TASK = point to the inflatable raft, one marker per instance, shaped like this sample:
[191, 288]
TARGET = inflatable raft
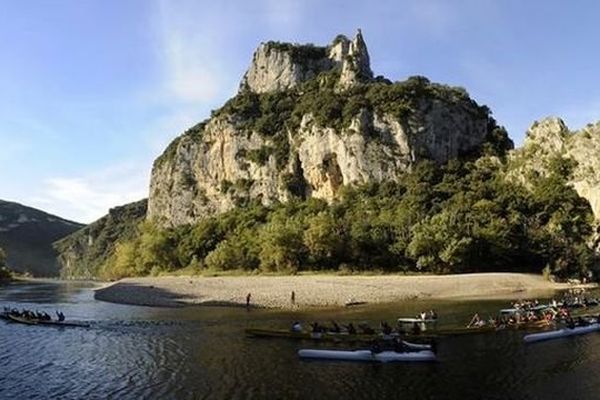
[565, 332]
[366, 355]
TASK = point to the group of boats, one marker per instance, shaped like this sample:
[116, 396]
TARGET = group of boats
[540, 321]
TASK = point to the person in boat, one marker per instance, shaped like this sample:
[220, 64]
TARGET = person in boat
[476, 321]
[433, 315]
[386, 329]
[401, 329]
[366, 329]
[422, 316]
[351, 329]
[296, 327]
[582, 322]
[416, 329]
[335, 328]
[315, 327]
[399, 346]
[60, 315]
[570, 322]
[375, 347]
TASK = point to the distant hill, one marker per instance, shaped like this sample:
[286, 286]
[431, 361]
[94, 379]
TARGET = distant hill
[27, 234]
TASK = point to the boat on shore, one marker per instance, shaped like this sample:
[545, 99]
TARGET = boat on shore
[367, 355]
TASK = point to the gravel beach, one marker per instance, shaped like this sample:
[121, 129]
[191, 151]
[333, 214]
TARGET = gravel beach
[311, 291]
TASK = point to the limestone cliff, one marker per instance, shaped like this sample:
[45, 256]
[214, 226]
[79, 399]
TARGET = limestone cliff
[281, 66]
[551, 138]
[307, 121]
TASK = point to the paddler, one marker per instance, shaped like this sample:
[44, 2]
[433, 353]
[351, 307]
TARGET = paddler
[296, 327]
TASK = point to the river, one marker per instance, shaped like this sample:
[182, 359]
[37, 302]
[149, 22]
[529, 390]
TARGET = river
[134, 352]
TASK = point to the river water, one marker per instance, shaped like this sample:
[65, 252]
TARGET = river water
[201, 353]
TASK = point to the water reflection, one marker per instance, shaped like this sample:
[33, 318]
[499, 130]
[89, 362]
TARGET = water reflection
[190, 353]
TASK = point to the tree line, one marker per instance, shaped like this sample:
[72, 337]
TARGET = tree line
[455, 218]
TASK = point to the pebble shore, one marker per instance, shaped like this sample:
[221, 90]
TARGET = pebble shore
[313, 291]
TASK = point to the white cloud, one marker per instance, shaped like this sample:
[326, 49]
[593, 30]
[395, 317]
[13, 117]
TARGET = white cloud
[188, 53]
[88, 197]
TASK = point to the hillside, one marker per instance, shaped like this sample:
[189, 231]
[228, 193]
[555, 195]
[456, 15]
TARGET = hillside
[306, 122]
[83, 252]
[317, 164]
[26, 235]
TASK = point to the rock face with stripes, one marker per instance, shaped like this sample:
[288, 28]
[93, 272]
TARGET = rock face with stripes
[237, 156]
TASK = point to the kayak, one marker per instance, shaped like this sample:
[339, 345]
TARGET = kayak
[366, 355]
[417, 320]
[565, 332]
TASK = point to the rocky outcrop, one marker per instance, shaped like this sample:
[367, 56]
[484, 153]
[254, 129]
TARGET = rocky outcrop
[550, 138]
[292, 131]
[84, 251]
[280, 66]
[228, 164]
[26, 235]
[354, 58]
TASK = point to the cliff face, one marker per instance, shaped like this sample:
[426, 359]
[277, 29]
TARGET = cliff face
[307, 121]
[551, 138]
[84, 251]
[26, 235]
[281, 66]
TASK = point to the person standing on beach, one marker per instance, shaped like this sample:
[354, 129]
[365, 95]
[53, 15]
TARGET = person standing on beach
[248, 297]
[293, 298]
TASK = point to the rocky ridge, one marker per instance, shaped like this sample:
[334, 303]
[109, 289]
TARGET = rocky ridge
[551, 138]
[307, 121]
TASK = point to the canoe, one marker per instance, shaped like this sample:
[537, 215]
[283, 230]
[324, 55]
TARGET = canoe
[38, 322]
[325, 336]
[22, 320]
[366, 355]
[64, 323]
[417, 320]
[561, 333]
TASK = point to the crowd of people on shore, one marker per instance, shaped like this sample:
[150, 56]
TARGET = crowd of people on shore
[33, 315]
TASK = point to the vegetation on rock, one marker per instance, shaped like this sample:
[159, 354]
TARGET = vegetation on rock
[5, 273]
[463, 217]
[83, 252]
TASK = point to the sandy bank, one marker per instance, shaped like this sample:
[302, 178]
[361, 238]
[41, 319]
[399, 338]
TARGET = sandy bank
[320, 290]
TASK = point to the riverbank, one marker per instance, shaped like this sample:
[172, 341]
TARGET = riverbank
[312, 291]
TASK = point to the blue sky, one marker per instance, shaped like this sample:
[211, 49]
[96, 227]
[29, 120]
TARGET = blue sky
[92, 91]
